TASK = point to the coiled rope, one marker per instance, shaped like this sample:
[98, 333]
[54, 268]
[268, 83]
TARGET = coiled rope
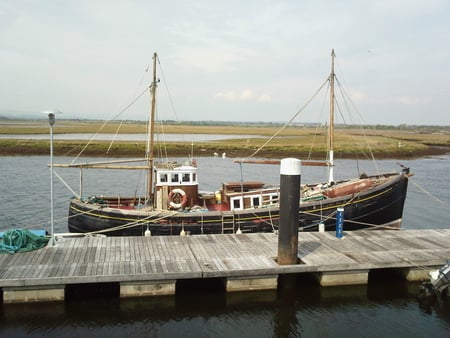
[18, 240]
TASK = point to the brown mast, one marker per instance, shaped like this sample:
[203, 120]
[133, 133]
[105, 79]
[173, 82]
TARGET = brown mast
[151, 131]
[331, 122]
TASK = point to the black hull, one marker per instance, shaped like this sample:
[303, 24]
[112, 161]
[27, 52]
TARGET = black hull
[381, 206]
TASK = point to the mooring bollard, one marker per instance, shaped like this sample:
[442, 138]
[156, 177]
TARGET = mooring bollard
[289, 211]
[339, 222]
[321, 227]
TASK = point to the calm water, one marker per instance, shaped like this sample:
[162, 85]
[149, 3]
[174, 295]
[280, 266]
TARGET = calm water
[381, 309]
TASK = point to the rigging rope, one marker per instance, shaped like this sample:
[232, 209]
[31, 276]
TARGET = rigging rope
[115, 136]
[121, 122]
[168, 91]
[106, 122]
[318, 125]
[289, 122]
[429, 193]
[347, 98]
[138, 222]
[66, 184]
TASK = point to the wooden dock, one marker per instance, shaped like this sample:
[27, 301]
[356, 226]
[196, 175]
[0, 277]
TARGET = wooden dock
[144, 266]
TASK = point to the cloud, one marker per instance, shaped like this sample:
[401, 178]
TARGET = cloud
[87, 56]
[409, 101]
[408, 7]
[207, 58]
[243, 95]
[264, 98]
[357, 95]
[403, 100]
[229, 96]
[247, 94]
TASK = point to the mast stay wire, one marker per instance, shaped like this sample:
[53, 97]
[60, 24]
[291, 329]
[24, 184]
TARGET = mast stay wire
[121, 122]
[111, 119]
[115, 136]
[168, 91]
[290, 121]
[349, 102]
[137, 97]
[162, 149]
[347, 98]
[174, 110]
[316, 132]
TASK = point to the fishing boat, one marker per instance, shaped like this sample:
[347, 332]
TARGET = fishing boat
[174, 204]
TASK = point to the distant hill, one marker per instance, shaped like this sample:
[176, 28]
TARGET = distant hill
[20, 115]
[8, 115]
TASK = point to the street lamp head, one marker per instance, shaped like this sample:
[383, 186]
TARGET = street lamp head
[51, 116]
[51, 119]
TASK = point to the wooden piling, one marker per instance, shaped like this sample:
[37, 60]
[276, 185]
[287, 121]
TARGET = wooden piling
[290, 180]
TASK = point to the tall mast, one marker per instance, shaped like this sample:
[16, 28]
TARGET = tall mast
[331, 122]
[151, 132]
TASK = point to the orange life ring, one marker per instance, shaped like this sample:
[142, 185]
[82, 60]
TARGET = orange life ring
[177, 198]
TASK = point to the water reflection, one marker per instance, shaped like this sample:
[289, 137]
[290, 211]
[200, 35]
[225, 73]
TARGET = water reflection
[381, 309]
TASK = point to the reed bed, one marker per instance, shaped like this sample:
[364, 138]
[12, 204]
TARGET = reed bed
[299, 141]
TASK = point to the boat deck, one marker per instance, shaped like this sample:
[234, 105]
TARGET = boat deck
[153, 265]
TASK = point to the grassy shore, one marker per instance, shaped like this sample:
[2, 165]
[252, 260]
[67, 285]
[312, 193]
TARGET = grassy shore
[293, 141]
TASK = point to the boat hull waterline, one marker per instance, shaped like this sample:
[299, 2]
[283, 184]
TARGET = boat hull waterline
[378, 207]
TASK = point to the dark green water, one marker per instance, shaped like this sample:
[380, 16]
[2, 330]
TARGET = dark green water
[381, 309]
[384, 308]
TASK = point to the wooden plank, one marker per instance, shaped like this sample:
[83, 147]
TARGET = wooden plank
[108, 269]
[136, 256]
[124, 250]
[158, 258]
[70, 244]
[116, 249]
[65, 262]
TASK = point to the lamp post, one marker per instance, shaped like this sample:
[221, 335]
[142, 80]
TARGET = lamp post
[51, 121]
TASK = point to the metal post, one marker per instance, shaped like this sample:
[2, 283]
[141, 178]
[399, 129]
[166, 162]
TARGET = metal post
[51, 121]
[339, 222]
[81, 182]
[289, 211]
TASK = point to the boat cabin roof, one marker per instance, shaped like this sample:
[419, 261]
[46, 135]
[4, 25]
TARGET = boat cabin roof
[247, 185]
[185, 168]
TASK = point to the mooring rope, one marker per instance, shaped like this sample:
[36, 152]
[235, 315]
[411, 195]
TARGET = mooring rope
[421, 267]
[128, 225]
[429, 193]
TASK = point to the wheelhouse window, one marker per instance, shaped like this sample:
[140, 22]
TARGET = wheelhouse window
[236, 203]
[273, 199]
[174, 178]
[256, 201]
[185, 176]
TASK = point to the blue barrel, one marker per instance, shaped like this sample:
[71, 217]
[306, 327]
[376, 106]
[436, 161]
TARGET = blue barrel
[340, 222]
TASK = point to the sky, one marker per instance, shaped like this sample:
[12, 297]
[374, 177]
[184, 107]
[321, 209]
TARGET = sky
[226, 60]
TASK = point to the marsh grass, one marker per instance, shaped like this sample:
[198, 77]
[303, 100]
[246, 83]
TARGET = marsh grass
[293, 141]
